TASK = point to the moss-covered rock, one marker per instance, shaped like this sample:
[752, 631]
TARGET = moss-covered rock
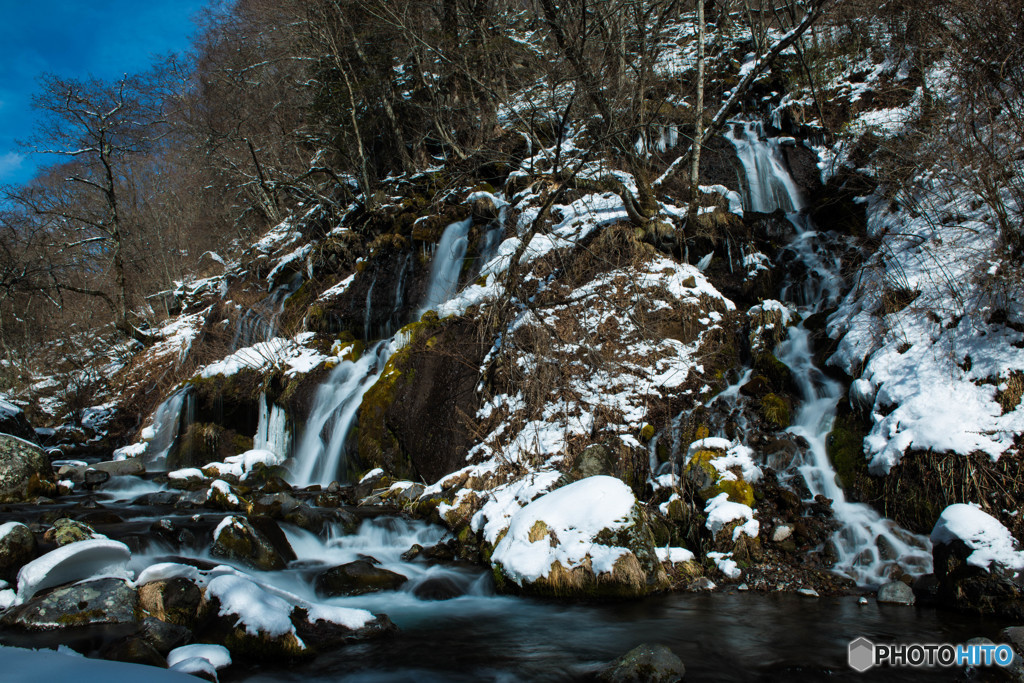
[239, 539]
[65, 530]
[25, 470]
[775, 410]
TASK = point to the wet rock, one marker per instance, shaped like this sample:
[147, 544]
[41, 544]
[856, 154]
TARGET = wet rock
[163, 636]
[288, 508]
[93, 478]
[896, 593]
[25, 470]
[438, 588]
[17, 547]
[156, 499]
[175, 601]
[122, 468]
[14, 422]
[612, 458]
[781, 533]
[357, 578]
[412, 553]
[324, 636]
[103, 601]
[256, 542]
[65, 531]
[133, 649]
[645, 664]
[223, 496]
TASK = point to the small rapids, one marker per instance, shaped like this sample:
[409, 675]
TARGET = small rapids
[868, 545]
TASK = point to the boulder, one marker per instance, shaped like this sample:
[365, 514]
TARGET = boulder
[163, 636]
[976, 563]
[90, 603]
[250, 621]
[357, 578]
[66, 530]
[326, 628]
[645, 664]
[25, 470]
[239, 539]
[17, 548]
[176, 601]
[72, 562]
[587, 539]
[438, 588]
[896, 593]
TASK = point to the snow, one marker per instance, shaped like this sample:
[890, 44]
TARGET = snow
[375, 472]
[721, 511]
[338, 289]
[217, 655]
[31, 666]
[575, 514]
[242, 464]
[8, 527]
[196, 667]
[674, 555]
[981, 532]
[334, 614]
[258, 611]
[163, 571]
[72, 562]
[132, 451]
[726, 564]
[186, 473]
[276, 353]
[737, 456]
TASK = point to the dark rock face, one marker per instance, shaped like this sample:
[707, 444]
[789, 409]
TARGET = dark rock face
[17, 548]
[970, 588]
[163, 636]
[357, 578]
[258, 543]
[410, 422]
[104, 601]
[645, 664]
[24, 469]
[803, 166]
[14, 422]
[134, 649]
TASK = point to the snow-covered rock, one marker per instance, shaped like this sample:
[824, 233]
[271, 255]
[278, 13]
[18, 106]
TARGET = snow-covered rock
[587, 538]
[72, 562]
[990, 541]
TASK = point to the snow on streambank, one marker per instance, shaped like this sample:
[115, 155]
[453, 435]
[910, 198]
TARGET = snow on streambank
[920, 333]
[31, 666]
[982, 533]
[721, 511]
[574, 514]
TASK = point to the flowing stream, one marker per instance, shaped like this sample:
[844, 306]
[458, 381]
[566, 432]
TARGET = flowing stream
[868, 546]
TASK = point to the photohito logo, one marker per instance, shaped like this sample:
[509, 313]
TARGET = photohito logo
[863, 654]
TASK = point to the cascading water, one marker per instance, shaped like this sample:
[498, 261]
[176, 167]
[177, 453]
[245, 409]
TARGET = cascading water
[260, 323]
[368, 312]
[171, 418]
[444, 273]
[321, 455]
[273, 432]
[769, 185]
[394, 320]
[868, 546]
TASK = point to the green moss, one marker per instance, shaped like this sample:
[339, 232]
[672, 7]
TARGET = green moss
[90, 616]
[738, 491]
[845, 447]
[774, 370]
[775, 409]
[647, 433]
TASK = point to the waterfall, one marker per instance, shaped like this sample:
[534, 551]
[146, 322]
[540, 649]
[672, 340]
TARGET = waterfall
[260, 322]
[368, 312]
[868, 546]
[321, 456]
[171, 418]
[273, 433]
[444, 273]
[394, 320]
[768, 183]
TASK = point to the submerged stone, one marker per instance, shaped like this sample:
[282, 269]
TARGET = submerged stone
[645, 664]
[357, 578]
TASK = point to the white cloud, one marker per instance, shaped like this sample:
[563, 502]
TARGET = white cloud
[10, 163]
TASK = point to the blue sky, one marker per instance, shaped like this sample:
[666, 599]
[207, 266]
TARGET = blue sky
[76, 38]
